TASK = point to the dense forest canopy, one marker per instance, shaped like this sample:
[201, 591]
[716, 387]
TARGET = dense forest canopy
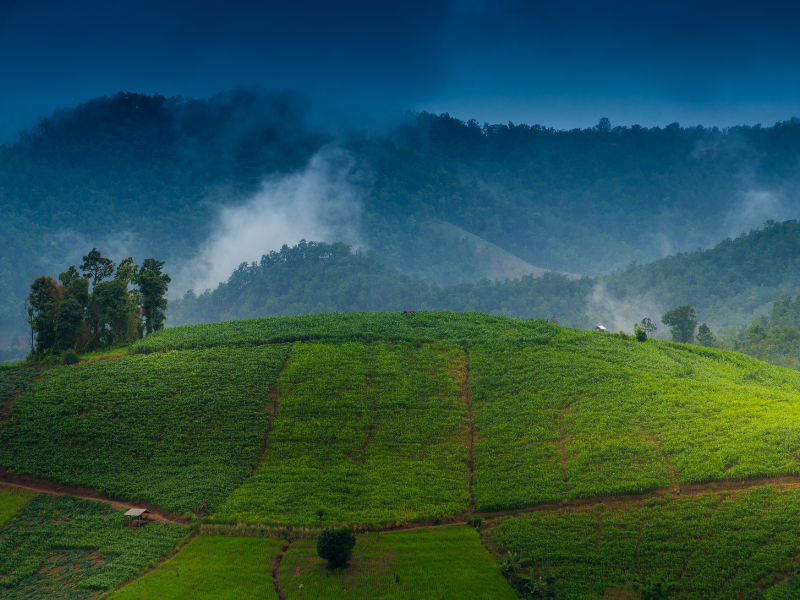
[140, 170]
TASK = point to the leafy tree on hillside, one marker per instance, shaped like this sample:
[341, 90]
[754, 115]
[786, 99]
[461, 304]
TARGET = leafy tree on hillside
[648, 326]
[682, 322]
[704, 336]
[67, 315]
[336, 546]
[153, 286]
[97, 267]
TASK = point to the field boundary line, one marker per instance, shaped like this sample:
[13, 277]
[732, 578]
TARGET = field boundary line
[467, 395]
[276, 566]
[48, 486]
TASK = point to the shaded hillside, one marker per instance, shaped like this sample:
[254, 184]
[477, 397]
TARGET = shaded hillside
[317, 277]
[139, 170]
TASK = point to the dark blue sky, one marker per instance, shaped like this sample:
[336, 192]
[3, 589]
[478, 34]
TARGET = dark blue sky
[562, 64]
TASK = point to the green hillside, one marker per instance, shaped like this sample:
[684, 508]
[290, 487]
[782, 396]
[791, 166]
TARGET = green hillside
[589, 463]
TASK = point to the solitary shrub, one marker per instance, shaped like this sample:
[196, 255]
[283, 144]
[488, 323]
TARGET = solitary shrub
[70, 357]
[641, 334]
[336, 545]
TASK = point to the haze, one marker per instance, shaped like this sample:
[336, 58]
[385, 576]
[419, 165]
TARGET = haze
[560, 64]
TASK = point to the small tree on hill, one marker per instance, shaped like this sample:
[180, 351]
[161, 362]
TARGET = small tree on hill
[648, 326]
[336, 545]
[704, 336]
[682, 321]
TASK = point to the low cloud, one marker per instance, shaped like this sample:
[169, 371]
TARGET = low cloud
[319, 203]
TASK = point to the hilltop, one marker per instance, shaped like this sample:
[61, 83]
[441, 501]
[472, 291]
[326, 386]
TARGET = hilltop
[524, 429]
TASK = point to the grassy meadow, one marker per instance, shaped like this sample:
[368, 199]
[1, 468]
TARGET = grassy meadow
[212, 567]
[421, 564]
[12, 499]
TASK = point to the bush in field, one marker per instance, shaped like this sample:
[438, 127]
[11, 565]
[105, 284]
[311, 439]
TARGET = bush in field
[641, 334]
[335, 545]
[70, 357]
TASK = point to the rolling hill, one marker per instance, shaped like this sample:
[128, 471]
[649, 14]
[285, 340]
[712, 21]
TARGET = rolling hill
[458, 446]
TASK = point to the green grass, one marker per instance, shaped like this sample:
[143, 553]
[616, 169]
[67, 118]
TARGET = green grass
[428, 563]
[64, 547]
[366, 433]
[713, 547]
[175, 429]
[12, 499]
[422, 327]
[213, 567]
[589, 414]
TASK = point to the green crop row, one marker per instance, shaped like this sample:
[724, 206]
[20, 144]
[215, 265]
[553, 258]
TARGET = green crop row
[64, 547]
[363, 433]
[589, 415]
[709, 547]
[181, 430]
[422, 327]
[15, 381]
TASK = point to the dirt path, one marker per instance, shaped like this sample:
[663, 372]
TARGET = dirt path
[275, 568]
[47, 486]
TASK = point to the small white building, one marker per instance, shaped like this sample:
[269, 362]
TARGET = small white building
[601, 328]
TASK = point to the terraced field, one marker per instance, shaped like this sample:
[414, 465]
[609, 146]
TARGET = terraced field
[600, 463]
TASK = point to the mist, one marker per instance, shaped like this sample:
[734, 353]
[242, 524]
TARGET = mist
[319, 203]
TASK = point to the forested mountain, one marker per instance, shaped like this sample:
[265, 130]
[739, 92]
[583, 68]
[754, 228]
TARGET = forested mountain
[729, 285]
[318, 277]
[146, 170]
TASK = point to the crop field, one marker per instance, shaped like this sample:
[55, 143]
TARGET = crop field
[363, 433]
[14, 381]
[710, 547]
[421, 564]
[422, 327]
[591, 415]
[63, 547]
[212, 567]
[180, 430]
[12, 499]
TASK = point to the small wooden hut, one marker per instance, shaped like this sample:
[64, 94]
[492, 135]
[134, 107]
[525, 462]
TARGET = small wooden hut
[142, 517]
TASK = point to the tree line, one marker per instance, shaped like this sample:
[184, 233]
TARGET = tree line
[96, 306]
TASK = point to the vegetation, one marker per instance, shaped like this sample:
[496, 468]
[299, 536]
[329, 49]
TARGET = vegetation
[153, 162]
[426, 563]
[316, 277]
[66, 317]
[589, 414]
[682, 323]
[12, 499]
[367, 433]
[418, 328]
[212, 567]
[15, 380]
[164, 428]
[712, 546]
[63, 547]
[335, 544]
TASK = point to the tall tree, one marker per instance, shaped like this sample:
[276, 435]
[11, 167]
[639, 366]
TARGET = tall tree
[42, 304]
[153, 286]
[97, 267]
[682, 322]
